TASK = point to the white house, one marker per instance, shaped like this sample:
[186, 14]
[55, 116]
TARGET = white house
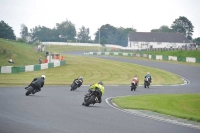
[143, 40]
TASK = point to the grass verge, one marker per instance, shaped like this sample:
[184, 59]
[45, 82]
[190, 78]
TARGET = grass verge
[185, 106]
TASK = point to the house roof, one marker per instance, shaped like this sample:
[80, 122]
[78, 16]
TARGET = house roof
[157, 37]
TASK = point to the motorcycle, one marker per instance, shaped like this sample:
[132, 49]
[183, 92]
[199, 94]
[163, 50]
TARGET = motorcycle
[75, 84]
[133, 85]
[30, 90]
[91, 98]
[146, 82]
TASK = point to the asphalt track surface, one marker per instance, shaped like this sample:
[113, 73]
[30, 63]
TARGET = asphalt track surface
[56, 109]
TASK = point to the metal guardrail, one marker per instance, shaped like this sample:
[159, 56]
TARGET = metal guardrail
[155, 49]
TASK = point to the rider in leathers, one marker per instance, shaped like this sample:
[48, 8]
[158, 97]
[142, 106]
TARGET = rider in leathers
[37, 83]
[149, 76]
[80, 83]
[99, 86]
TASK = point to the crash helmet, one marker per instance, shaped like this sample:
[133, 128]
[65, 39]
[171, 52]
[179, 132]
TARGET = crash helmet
[80, 78]
[100, 82]
[43, 76]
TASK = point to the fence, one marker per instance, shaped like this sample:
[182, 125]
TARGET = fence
[18, 69]
[155, 57]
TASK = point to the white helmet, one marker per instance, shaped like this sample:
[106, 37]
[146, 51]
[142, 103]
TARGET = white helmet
[43, 76]
[81, 77]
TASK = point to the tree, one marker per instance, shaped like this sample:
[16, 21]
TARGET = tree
[83, 35]
[6, 31]
[24, 32]
[107, 34]
[42, 33]
[197, 40]
[112, 35]
[67, 29]
[183, 25]
[63, 32]
[163, 28]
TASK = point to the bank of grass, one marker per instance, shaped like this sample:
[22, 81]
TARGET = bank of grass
[185, 106]
[21, 53]
[27, 54]
[93, 70]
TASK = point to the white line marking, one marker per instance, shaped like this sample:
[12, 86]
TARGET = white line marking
[153, 117]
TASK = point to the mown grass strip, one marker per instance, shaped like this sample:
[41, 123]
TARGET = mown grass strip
[185, 106]
[93, 70]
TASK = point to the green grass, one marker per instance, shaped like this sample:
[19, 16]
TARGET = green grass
[21, 53]
[93, 70]
[185, 106]
[26, 54]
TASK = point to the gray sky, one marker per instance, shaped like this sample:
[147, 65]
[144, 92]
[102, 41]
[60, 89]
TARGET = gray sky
[143, 15]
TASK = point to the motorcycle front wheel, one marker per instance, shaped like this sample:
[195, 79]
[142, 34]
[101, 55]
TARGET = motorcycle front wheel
[133, 88]
[90, 101]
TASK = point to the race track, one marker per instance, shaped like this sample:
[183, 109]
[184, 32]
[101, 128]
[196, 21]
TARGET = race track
[56, 109]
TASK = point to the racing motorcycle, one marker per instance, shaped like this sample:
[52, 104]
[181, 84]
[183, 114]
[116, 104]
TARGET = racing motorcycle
[30, 90]
[133, 85]
[75, 84]
[91, 98]
[146, 82]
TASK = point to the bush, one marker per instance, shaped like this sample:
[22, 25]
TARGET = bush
[20, 40]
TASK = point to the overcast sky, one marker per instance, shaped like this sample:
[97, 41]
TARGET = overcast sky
[143, 15]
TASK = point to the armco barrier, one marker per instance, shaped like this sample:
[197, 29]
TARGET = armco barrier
[190, 59]
[17, 69]
[183, 59]
[62, 63]
[197, 60]
[50, 65]
[37, 67]
[44, 66]
[153, 57]
[22, 68]
[29, 68]
[159, 57]
[56, 63]
[6, 69]
[164, 57]
[174, 58]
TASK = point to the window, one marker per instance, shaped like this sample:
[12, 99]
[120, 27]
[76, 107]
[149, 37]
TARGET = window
[159, 43]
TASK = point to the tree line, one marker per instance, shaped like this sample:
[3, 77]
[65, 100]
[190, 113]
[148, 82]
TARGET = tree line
[106, 34]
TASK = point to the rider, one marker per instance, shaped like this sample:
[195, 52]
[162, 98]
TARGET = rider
[135, 78]
[37, 83]
[148, 75]
[80, 79]
[99, 86]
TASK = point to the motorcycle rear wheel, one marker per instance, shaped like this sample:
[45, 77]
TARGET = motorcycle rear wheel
[133, 88]
[30, 90]
[146, 85]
